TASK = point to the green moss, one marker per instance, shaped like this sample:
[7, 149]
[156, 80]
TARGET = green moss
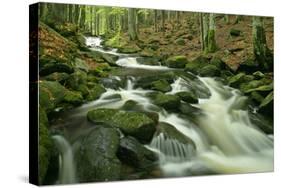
[45, 144]
[73, 97]
[169, 102]
[176, 62]
[135, 124]
[161, 85]
[95, 92]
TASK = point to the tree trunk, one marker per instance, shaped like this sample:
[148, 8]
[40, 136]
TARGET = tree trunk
[163, 20]
[205, 26]
[91, 19]
[211, 34]
[43, 11]
[83, 17]
[132, 24]
[76, 14]
[261, 52]
[70, 14]
[201, 31]
[155, 20]
[226, 19]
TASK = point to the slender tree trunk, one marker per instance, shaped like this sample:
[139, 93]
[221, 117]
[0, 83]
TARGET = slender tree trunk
[132, 24]
[91, 19]
[155, 20]
[261, 52]
[43, 11]
[98, 24]
[211, 34]
[205, 31]
[226, 19]
[201, 31]
[77, 14]
[83, 17]
[163, 20]
[70, 14]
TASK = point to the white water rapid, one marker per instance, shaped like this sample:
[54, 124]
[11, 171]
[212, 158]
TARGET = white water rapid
[66, 161]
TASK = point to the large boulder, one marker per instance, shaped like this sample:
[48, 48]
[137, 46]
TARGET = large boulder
[96, 155]
[188, 97]
[81, 64]
[181, 147]
[136, 124]
[49, 66]
[169, 102]
[176, 62]
[73, 97]
[161, 85]
[61, 77]
[51, 93]
[145, 81]
[95, 92]
[209, 71]
[195, 65]
[133, 153]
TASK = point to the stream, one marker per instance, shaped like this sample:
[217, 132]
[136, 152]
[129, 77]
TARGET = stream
[225, 139]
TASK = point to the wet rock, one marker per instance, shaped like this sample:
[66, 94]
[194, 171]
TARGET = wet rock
[161, 85]
[169, 102]
[133, 153]
[262, 122]
[266, 106]
[145, 82]
[248, 66]
[135, 124]
[236, 80]
[148, 61]
[188, 97]
[110, 58]
[77, 79]
[96, 155]
[188, 109]
[209, 71]
[258, 75]
[176, 62]
[129, 49]
[112, 83]
[256, 85]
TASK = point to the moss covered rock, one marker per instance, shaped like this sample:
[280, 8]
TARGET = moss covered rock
[73, 97]
[96, 156]
[169, 102]
[95, 92]
[51, 93]
[61, 77]
[49, 66]
[161, 85]
[189, 97]
[209, 70]
[45, 145]
[135, 124]
[176, 62]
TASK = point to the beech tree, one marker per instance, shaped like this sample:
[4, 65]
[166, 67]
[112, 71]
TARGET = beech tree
[132, 29]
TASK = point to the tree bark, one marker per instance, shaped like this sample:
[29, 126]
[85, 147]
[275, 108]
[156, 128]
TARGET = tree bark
[132, 24]
[261, 52]
[212, 47]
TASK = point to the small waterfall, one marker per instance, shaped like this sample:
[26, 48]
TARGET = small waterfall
[93, 41]
[66, 161]
[132, 62]
[238, 146]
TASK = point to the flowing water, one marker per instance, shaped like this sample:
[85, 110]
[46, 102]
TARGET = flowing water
[225, 139]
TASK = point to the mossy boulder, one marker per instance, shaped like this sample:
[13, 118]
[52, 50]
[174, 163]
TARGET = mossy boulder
[47, 67]
[110, 58]
[209, 71]
[129, 49]
[262, 122]
[258, 75]
[176, 62]
[112, 83]
[195, 65]
[187, 109]
[51, 93]
[77, 79]
[188, 97]
[248, 66]
[95, 92]
[217, 62]
[133, 153]
[96, 155]
[161, 85]
[169, 102]
[266, 106]
[236, 80]
[135, 124]
[61, 77]
[45, 145]
[145, 81]
[73, 97]
[256, 85]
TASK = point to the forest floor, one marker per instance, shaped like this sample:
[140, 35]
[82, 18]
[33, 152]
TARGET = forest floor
[184, 39]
